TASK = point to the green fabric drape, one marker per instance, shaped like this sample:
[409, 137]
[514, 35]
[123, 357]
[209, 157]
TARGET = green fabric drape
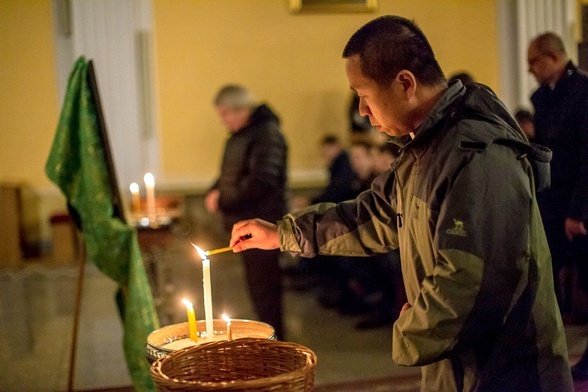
[77, 165]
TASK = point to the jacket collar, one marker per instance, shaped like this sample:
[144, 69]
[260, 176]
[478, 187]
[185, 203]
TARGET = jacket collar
[438, 114]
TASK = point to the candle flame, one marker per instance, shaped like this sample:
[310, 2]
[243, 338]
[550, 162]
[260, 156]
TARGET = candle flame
[187, 303]
[201, 253]
[149, 180]
[134, 187]
[226, 318]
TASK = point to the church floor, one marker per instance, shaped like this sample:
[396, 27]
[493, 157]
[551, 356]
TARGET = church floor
[36, 319]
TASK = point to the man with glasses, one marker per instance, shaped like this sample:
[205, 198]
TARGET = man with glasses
[561, 124]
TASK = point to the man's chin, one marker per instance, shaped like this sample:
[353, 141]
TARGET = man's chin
[384, 130]
[391, 132]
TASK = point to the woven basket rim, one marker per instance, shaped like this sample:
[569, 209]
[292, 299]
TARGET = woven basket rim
[310, 363]
[200, 324]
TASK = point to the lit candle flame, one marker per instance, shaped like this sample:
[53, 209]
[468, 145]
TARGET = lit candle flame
[149, 180]
[134, 187]
[187, 303]
[201, 253]
[229, 330]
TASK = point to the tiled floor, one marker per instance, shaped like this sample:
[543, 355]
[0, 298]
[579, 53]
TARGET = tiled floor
[36, 318]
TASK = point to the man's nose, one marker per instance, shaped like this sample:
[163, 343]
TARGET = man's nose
[364, 110]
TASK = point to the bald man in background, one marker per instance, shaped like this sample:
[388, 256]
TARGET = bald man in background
[561, 124]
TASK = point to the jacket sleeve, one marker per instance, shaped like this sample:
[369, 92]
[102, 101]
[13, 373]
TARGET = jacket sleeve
[266, 166]
[480, 234]
[360, 227]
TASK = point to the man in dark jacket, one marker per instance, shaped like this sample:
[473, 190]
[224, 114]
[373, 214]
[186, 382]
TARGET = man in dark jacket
[341, 176]
[561, 124]
[460, 204]
[252, 183]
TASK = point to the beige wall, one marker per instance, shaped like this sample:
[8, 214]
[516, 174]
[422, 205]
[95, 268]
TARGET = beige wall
[28, 89]
[293, 61]
[28, 107]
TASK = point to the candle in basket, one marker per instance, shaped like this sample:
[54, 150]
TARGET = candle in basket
[150, 193]
[134, 187]
[229, 332]
[207, 292]
[191, 320]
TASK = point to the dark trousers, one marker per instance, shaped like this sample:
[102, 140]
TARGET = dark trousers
[264, 279]
[566, 254]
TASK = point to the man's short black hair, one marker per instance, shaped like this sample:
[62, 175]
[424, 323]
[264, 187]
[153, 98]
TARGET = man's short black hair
[389, 44]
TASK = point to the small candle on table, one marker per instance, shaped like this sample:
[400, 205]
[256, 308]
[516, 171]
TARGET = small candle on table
[191, 320]
[134, 187]
[207, 292]
[229, 332]
[150, 193]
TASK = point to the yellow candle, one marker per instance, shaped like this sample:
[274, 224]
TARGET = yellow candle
[219, 250]
[191, 320]
[229, 331]
[134, 187]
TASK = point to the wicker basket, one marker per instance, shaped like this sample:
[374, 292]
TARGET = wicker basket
[237, 365]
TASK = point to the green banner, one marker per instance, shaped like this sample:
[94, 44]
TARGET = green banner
[77, 165]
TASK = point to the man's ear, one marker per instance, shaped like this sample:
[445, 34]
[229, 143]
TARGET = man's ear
[408, 82]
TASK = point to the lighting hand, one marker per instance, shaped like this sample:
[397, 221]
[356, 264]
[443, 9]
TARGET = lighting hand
[574, 228]
[254, 233]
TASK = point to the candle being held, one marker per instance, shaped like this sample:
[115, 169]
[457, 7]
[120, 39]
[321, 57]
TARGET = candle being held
[219, 250]
[226, 248]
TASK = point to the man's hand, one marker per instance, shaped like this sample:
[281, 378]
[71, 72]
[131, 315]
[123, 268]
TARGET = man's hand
[262, 235]
[211, 201]
[574, 228]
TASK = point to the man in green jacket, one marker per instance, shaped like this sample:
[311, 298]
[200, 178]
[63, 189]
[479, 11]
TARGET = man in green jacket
[460, 204]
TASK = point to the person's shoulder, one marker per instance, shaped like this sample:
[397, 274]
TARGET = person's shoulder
[581, 77]
[478, 135]
[576, 89]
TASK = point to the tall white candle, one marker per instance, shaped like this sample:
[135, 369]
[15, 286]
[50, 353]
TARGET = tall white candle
[150, 191]
[207, 298]
[207, 292]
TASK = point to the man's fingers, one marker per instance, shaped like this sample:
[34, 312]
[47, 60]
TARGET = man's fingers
[240, 232]
[240, 247]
